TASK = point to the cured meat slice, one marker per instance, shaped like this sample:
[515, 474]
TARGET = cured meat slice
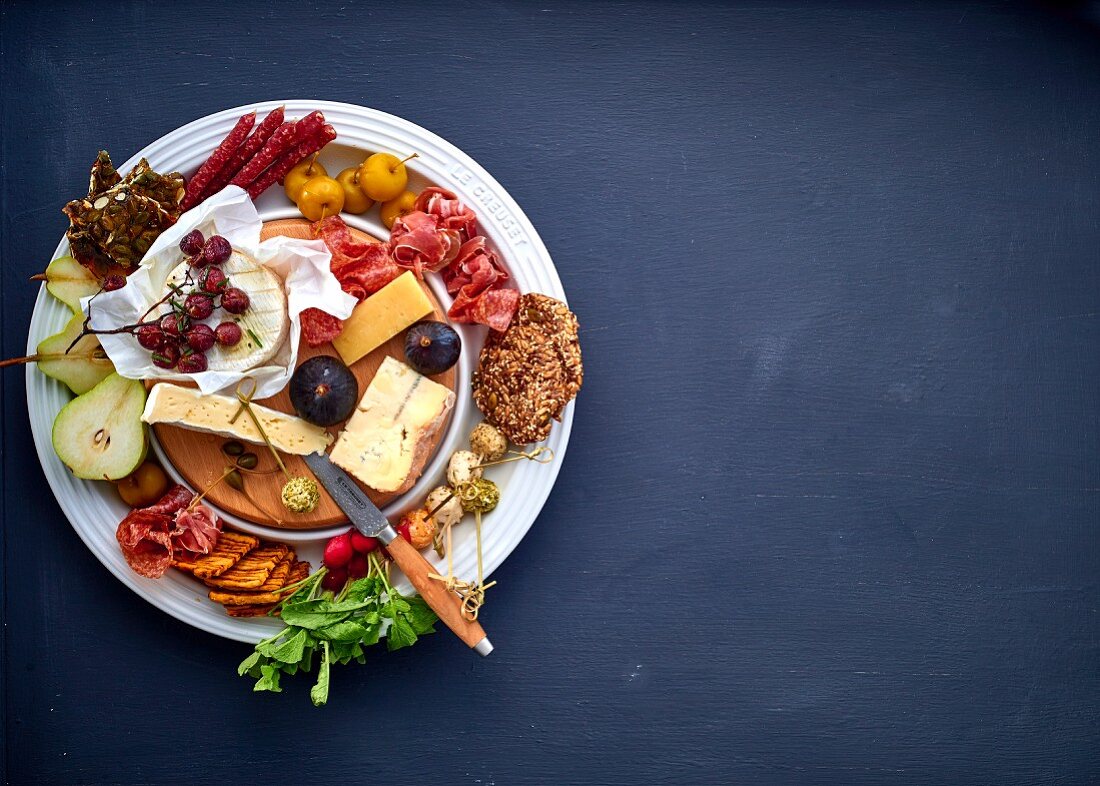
[176, 498]
[145, 543]
[319, 327]
[450, 211]
[361, 267]
[476, 279]
[474, 266]
[420, 242]
[196, 530]
[493, 307]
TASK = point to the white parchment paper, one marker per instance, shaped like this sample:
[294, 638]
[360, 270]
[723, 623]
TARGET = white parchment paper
[303, 265]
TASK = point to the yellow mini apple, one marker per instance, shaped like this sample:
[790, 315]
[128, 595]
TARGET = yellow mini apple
[383, 176]
[355, 201]
[320, 197]
[395, 208]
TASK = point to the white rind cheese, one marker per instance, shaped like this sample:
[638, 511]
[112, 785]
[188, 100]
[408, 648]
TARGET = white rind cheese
[266, 319]
[190, 409]
[388, 435]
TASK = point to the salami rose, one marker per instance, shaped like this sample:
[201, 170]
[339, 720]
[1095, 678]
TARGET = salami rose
[145, 543]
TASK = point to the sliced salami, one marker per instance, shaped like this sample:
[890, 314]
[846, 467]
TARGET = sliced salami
[319, 327]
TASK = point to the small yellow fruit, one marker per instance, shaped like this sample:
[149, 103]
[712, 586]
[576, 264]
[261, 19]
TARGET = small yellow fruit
[297, 177]
[144, 486]
[355, 201]
[399, 206]
[383, 176]
[320, 197]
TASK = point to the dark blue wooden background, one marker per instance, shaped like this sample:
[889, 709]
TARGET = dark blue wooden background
[830, 510]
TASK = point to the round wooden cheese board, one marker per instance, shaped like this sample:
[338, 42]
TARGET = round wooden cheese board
[199, 458]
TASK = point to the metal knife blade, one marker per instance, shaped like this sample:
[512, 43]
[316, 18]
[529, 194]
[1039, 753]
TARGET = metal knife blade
[363, 514]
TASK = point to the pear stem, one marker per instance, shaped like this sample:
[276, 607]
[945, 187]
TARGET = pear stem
[38, 277]
[19, 361]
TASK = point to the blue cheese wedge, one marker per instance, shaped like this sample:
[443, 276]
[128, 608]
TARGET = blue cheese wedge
[190, 409]
[386, 440]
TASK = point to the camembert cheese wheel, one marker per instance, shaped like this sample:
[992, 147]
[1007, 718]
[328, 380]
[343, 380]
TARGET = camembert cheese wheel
[264, 326]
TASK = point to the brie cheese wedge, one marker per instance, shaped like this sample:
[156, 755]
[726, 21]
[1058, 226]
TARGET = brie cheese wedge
[190, 409]
[388, 435]
[264, 326]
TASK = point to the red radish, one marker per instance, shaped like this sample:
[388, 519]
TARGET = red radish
[358, 566]
[334, 580]
[363, 544]
[403, 530]
[338, 551]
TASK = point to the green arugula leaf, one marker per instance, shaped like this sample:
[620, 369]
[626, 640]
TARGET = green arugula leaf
[348, 630]
[371, 632]
[250, 666]
[291, 650]
[269, 679]
[313, 620]
[318, 694]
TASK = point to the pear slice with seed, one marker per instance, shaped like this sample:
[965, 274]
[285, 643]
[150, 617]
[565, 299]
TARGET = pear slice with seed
[99, 435]
[69, 281]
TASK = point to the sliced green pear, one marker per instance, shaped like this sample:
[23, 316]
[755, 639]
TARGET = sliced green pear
[82, 367]
[99, 435]
[68, 281]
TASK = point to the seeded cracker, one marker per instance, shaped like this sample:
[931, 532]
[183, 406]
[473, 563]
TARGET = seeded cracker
[527, 374]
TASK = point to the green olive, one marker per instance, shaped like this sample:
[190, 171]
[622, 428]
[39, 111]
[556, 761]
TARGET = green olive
[233, 448]
[234, 480]
[248, 461]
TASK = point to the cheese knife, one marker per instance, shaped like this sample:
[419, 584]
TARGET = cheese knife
[368, 519]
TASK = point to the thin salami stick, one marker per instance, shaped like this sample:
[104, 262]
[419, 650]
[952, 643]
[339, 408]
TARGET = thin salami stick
[244, 153]
[217, 160]
[308, 127]
[280, 142]
[278, 170]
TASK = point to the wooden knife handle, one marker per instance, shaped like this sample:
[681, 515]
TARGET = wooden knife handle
[446, 604]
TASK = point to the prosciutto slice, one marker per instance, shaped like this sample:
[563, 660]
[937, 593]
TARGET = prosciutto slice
[450, 211]
[476, 279]
[421, 242]
[196, 530]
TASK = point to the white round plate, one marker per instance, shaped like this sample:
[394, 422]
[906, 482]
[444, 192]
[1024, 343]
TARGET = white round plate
[94, 509]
